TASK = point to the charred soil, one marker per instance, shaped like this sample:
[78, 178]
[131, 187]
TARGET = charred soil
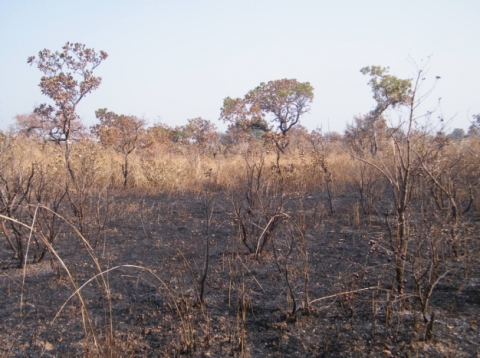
[336, 301]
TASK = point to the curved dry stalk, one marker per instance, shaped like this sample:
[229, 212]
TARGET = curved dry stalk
[344, 293]
[84, 311]
[264, 231]
[26, 259]
[78, 289]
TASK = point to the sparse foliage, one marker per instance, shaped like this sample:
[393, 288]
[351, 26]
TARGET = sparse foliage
[67, 79]
[204, 134]
[280, 102]
[120, 132]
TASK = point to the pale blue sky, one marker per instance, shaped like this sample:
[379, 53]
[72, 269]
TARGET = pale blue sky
[175, 60]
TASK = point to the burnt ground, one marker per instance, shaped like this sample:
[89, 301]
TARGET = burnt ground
[151, 308]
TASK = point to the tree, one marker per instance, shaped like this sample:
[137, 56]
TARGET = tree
[68, 78]
[203, 133]
[122, 133]
[237, 138]
[281, 102]
[366, 134]
[457, 134]
[475, 127]
[160, 133]
[388, 91]
[397, 161]
[32, 125]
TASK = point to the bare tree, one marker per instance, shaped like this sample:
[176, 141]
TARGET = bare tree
[393, 153]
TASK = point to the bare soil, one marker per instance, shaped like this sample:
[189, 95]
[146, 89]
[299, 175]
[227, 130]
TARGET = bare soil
[247, 308]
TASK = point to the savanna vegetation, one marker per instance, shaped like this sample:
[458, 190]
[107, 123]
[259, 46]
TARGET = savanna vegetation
[137, 240]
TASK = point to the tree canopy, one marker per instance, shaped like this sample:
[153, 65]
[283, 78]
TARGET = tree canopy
[281, 102]
[118, 131]
[388, 90]
[68, 78]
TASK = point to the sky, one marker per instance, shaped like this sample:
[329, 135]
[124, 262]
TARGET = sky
[174, 60]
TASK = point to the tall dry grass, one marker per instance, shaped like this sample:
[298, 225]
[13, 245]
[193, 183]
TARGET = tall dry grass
[181, 168]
